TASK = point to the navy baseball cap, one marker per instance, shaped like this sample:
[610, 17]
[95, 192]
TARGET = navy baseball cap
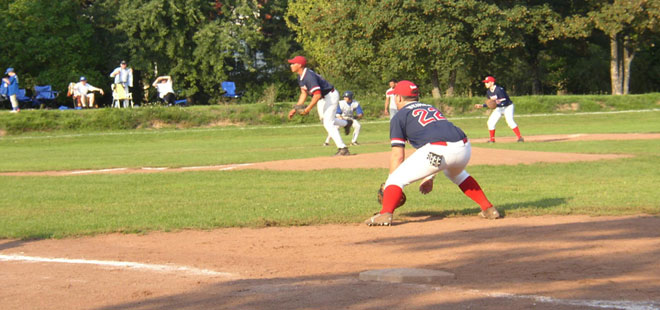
[406, 88]
[123, 62]
[82, 78]
[348, 94]
[9, 70]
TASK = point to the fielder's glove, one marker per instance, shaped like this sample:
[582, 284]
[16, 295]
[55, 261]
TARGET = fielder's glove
[491, 103]
[381, 193]
[298, 108]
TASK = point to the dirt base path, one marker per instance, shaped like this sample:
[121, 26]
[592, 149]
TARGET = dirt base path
[572, 262]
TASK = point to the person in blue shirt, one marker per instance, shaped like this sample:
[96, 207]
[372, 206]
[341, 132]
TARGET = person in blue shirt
[504, 107]
[349, 109]
[11, 83]
[324, 96]
[441, 146]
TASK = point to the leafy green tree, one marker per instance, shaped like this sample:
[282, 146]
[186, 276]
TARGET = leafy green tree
[197, 42]
[48, 42]
[629, 25]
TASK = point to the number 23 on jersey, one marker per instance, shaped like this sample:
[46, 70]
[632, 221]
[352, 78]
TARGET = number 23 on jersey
[427, 115]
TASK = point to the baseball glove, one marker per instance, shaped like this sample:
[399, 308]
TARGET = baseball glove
[381, 193]
[491, 103]
[300, 108]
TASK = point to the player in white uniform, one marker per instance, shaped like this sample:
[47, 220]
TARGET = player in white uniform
[504, 107]
[349, 109]
[440, 145]
[390, 103]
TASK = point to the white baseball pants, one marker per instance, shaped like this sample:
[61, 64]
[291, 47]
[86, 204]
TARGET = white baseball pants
[497, 114]
[455, 157]
[327, 109]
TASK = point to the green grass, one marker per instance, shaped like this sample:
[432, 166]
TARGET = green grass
[45, 207]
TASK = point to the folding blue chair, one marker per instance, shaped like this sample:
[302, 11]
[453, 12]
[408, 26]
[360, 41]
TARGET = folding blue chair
[45, 95]
[230, 90]
[23, 99]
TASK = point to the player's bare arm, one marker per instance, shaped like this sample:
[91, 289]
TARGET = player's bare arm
[301, 101]
[387, 104]
[396, 158]
[315, 99]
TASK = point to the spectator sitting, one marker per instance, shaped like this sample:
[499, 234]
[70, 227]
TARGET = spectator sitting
[165, 89]
[84, 93]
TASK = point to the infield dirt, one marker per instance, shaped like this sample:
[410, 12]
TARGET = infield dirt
[549, 262]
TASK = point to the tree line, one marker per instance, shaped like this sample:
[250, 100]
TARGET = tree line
[447, 46]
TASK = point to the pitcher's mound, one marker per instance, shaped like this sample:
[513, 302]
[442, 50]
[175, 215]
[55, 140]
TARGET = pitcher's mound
[406, 275]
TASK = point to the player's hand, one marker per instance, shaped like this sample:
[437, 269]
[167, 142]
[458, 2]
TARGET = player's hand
[387, 113]
[426, 186]
[304, 112]
[478, 106]
[292, 113]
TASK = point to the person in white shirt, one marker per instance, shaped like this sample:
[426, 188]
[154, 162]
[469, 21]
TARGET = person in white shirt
[165, 89]
[123, 75]
[84, 92]
[390, 104]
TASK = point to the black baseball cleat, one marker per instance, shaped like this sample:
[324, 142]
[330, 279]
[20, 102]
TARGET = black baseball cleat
[491, 141]
[521, 139]
[342, 152]
[347, 128]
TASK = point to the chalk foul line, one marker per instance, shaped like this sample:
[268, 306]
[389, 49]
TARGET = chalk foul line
[119, 264]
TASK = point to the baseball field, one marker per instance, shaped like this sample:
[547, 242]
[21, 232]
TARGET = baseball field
[262, 217]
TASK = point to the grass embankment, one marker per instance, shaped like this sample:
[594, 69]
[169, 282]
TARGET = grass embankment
[44, 207]
[275, 114]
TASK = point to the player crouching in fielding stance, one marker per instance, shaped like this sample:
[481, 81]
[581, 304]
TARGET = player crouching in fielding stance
[503, 105]
[440, 145]
[324, 95]
[349, 109]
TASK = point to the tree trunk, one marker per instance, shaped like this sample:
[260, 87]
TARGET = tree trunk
[435, 83]
[615, 75]
[628, 55]
[452, 83]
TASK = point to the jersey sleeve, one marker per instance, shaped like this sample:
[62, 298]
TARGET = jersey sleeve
[358, 110]
[397, 135]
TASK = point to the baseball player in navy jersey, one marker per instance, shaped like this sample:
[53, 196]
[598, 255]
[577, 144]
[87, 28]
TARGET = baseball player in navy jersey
[349, 109]
[504, 107]
[440, 145]
[390, 105]
[324, 96]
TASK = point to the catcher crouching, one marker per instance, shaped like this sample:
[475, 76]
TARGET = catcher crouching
[440, 145]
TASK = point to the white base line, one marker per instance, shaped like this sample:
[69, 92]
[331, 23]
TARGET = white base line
[604, 304]
[127, 265]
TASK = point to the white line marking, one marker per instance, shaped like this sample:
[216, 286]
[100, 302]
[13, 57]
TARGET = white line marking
[605, 304]
[95, 171]
[124, 133]
[154, 168]
[127, 265]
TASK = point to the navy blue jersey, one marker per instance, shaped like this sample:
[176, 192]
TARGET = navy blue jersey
[500, 95]
[312, 82]
[419, 124]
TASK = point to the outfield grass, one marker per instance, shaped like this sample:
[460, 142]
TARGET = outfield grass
[44, 207]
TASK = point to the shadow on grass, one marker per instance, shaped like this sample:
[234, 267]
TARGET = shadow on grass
[437, 215]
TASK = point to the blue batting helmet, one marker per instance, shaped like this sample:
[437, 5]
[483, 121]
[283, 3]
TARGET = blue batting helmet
[348, 94]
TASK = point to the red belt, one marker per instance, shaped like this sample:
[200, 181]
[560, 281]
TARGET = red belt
[445, 143]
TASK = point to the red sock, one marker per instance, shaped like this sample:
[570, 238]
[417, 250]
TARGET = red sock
[516, 131]
[472, 189]
[492, 134]
[391, 198]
